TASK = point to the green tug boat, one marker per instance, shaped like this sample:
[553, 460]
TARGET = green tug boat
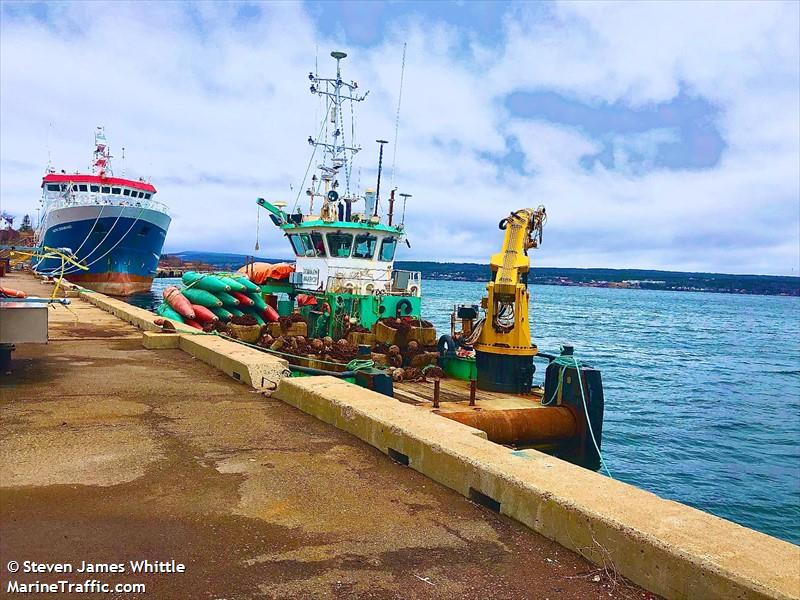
[343, 309]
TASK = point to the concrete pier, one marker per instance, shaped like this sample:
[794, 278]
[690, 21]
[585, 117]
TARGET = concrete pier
[118, 444]
[111, 452]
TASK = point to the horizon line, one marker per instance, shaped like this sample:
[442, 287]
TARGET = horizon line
[453, 262]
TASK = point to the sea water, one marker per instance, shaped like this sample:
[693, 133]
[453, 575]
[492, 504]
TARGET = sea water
[702, 390]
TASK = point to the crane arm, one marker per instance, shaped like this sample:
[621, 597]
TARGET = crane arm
[523, 230]
[507, 328]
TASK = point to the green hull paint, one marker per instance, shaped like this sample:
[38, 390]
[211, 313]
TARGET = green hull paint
[363, 309]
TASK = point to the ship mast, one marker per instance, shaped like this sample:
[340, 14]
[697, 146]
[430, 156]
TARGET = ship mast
[101, 159]
[337, 152]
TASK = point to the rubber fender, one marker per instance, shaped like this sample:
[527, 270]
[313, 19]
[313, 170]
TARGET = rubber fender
[402, 303]
[446, 345]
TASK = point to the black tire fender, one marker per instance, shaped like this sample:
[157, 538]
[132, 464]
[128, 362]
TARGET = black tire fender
[446, 345]
[407, 304]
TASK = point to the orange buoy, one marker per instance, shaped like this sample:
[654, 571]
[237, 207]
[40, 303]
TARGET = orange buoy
[306, 300]
[202, 314]
[243, 299]
[270, 314]
[179, 303]
[192, 323]
[11, 293]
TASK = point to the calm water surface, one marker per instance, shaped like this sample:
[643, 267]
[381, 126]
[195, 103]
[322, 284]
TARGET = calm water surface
[702, 390]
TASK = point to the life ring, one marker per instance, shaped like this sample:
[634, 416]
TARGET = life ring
[407, 304]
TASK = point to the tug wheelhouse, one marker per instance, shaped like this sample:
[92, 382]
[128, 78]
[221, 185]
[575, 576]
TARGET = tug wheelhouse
[344, 251]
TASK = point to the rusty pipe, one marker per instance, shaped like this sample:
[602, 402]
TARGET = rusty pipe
[520, 425]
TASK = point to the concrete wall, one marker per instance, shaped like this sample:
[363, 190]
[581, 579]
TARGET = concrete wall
[664, 546]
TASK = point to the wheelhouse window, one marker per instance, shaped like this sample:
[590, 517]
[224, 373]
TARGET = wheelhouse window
[94, 188]
[147, 196]
[307, 244]
[106, 189]
[388, 246]
[126, 192]
[83, 187]
[340, 244]
[116, 190]
[53, 187]
[318, 244]
[365, 246]
[299, 244]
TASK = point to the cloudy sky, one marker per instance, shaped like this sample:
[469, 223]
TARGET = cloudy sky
[658, 135]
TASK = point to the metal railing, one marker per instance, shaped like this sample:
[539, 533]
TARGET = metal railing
[388, 283]
[91, 199]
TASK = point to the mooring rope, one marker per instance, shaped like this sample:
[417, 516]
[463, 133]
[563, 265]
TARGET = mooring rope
[565, 362]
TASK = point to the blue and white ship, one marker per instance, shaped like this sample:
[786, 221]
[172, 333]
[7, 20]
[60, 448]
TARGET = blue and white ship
[111, 225]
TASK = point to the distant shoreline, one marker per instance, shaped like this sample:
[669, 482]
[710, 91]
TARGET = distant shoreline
[646, 279]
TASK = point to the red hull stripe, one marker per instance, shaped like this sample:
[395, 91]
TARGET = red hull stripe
[80, 178]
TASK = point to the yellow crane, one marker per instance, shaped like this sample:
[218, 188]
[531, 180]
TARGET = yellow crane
[503, 351]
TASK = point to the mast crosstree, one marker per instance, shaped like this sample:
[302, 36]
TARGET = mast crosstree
[337, 151]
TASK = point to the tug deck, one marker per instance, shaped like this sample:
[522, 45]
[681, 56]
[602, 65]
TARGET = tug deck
[454, 396]
[517, 420]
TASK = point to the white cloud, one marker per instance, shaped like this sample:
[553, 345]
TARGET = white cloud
[215, 108]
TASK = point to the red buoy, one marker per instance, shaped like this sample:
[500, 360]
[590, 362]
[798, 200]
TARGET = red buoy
[243, 299]
[194, 324]
[179, 303]
[270, 314]
[203, 315]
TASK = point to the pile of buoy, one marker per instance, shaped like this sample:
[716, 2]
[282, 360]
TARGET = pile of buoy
[206, 299]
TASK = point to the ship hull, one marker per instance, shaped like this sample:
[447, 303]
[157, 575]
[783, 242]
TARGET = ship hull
[119, 245]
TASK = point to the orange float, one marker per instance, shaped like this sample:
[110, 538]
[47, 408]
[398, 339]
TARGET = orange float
[12, 293]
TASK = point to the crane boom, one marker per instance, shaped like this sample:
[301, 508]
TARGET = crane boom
[504, 350]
